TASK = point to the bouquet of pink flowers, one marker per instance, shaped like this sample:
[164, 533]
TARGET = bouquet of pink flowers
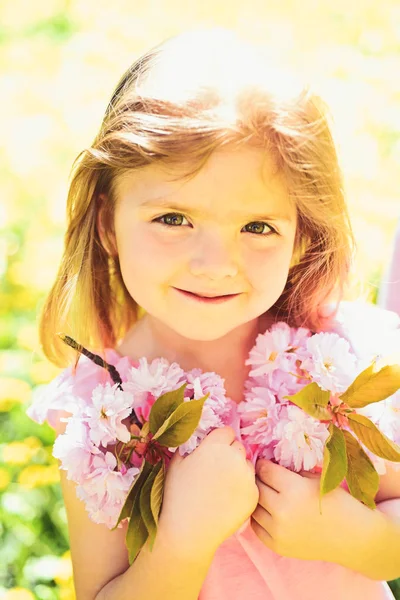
[309, 404]
[117, 447]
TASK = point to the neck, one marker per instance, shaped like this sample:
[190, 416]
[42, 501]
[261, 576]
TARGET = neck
[225, 356]
[206, 355]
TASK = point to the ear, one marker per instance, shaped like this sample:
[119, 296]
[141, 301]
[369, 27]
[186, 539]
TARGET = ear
[105, 226]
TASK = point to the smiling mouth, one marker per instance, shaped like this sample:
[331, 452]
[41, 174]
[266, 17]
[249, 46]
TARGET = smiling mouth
[207, 299]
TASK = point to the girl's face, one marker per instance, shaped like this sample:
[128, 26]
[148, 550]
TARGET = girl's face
[229, 231]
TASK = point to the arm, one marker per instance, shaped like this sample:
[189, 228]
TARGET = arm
[101, 569]
[375, 535]
[377, 551]
[288, 520]
[185, 543]
[165, 573]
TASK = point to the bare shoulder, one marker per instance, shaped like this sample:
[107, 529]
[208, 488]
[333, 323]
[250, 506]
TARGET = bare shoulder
[98, 554]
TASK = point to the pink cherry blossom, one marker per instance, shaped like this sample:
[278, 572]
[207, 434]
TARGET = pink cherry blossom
[385, 415]
[156, 377]
[217, 409]
[283, 360]
[260, 432]
[283, 383]
[104, 490]
[260, 403]
[110, 406]
[298, 339]
[259, 415]
[148, 381]
[330, 362]
[301, 440]
[270, 350]
[200, 384]
[54, 398]
[75, 450]
[123, 366]
[209, 420]
[71, 390]
[142, 403]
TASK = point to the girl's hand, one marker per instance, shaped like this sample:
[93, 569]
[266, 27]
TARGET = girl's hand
[208, 495]
[288, 519]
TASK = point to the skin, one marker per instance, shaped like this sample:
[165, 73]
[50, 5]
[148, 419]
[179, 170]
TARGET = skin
[288, 518]
[288, 521]
[212, 241]
[208, 247]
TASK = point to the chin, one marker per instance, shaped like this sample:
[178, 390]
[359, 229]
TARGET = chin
[201, 333]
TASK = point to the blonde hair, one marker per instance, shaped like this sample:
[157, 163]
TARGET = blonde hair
[187, 97]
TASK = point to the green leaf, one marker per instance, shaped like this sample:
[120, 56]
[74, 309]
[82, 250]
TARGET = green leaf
[178, 428]
[145, 503]
[157, 492]
[373, 438]
[335, 460]
[164, 406]
[134, 489]
[145, 429]
[137, 533]
[372, 386]
[313, 401]
[361, 477]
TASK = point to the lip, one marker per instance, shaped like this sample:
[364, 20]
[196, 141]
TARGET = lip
[206, 299]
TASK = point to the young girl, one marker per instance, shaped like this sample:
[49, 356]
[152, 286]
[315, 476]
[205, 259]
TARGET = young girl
[212, 199]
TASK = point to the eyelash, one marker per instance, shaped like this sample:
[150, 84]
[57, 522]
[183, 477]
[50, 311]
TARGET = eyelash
[158, 220]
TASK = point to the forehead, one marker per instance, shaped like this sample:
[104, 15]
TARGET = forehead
[246, 178]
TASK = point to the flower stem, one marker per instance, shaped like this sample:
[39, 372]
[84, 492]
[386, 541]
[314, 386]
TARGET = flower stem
[115, 376]
[130, 454]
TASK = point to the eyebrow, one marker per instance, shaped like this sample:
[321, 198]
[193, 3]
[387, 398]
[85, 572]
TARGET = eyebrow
[166, 203]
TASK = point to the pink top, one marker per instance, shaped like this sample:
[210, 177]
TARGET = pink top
[243, 567]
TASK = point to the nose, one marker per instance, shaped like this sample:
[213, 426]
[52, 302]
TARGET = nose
[213, 258]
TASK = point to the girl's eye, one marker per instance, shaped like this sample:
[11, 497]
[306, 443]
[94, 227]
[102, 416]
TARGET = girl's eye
[171, 219]
[258, 227]
[177, 220]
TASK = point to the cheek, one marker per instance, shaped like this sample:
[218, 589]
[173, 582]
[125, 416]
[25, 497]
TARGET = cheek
[143, 256]
[268, 270]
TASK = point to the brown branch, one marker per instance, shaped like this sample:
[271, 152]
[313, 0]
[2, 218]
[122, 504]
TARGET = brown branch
[115, 376]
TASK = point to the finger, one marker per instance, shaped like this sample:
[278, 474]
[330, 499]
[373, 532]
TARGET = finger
[268, 497]
[263, 518]
[309, 475]
[239, 446]
[250, 463]
[263, 535]
[274, 475]
[220, 435]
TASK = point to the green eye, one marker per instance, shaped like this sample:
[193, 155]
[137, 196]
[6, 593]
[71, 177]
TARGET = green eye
[171, 219]
[258, 227]
[177, 219]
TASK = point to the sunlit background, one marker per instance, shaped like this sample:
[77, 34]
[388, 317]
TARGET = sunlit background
[60, 61]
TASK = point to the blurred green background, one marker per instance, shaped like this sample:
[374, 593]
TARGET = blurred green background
[60, 61]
